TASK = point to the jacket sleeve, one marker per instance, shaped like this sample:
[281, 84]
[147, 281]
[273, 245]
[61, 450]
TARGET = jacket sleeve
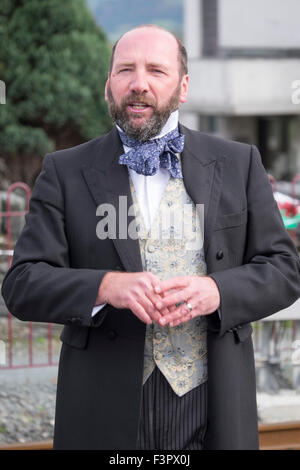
[269, 279]
[40, 284]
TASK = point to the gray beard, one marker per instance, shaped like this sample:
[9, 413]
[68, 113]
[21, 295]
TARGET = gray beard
[152, 127]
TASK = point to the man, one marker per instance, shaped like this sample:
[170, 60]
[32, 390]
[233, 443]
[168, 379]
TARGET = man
[157, 350]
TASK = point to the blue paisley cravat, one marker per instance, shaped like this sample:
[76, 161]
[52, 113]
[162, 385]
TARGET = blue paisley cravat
[146, 157]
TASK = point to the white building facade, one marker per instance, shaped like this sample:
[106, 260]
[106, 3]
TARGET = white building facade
[244, 64]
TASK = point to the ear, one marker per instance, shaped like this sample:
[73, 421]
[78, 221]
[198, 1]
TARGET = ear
[184, 89]
[105, 90]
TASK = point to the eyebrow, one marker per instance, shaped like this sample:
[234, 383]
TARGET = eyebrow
[132, 64]
[157, 65]
[125, 64]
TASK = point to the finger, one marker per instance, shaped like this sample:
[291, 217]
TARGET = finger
[166, 310]
[176, 314]
[139, 312]
[184, 318]
[155, 299]
[180, 321]
[147, 298]
[170, 308]
[145, 295]
[172, 283]
[172, 299]
[148, 303]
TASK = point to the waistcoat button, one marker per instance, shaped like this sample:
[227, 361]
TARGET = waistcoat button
[219, 254]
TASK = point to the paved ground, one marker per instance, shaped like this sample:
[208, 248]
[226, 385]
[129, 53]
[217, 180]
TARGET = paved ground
[27, 404]
[27, 395]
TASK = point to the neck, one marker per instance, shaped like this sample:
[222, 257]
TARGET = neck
[170, 125]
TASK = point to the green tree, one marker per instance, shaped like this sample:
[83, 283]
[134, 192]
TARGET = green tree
[54, 61]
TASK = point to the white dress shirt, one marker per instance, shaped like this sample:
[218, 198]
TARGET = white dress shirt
[150, 189]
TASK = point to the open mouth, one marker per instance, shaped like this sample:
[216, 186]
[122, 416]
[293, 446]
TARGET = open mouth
[138, 106]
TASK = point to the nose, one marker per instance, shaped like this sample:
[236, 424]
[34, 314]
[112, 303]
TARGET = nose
[139, 82]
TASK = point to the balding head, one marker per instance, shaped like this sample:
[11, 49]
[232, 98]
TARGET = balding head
[181, 51]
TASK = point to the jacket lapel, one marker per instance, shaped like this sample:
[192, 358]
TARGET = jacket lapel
[202, 172]
[107, 181]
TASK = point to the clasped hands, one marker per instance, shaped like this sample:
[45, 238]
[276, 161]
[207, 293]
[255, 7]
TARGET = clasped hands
[164, 302]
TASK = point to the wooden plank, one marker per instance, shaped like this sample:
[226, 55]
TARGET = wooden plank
[280, 436]
[275, 436]
[42, 445]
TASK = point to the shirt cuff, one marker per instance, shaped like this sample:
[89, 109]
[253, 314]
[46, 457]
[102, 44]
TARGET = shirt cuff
[97, 309]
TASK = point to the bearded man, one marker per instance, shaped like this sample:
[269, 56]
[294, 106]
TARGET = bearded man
[157, 350]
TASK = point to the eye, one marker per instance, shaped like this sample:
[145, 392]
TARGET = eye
[124, 69]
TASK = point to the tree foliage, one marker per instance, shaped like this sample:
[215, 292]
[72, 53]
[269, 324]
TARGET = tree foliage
[54, 62]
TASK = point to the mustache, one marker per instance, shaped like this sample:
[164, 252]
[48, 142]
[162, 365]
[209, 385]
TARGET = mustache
[138, 98]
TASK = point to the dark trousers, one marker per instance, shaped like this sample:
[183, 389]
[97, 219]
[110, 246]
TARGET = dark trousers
[168, 421]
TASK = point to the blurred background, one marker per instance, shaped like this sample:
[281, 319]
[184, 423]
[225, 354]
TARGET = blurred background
[244, 65]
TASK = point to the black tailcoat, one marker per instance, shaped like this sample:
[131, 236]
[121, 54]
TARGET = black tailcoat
[59, 263]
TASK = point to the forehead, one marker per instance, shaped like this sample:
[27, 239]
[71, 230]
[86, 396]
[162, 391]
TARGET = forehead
[148, 45]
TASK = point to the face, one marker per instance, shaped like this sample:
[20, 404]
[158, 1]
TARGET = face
[145, 84]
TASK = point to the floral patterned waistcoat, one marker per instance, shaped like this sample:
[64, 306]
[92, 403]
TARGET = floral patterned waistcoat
[170, 248]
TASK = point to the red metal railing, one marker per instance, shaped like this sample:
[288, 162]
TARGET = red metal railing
[274, 339]
[296, 207]
[9, 215]
[290, 208]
